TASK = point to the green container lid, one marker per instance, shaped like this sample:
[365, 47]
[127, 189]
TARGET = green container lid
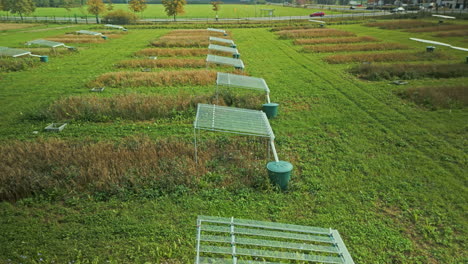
[280, 173]
[280, 166]
[270, 109]
[44, 58]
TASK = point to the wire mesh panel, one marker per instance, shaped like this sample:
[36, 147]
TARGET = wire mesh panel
[9, 52]
[235, 80]
[238, 63]
[233, 120]
[114, 26]
[47, 43]
[87, 32]
[229, 240]
[216, 30]
[223, 49]
[222, 40]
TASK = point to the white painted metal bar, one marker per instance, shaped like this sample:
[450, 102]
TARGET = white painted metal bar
[216, 30]
[87, 32]
[238, 63]
[221, 237]
[222, 40]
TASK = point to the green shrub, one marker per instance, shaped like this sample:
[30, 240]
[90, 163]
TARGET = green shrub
[120, 17]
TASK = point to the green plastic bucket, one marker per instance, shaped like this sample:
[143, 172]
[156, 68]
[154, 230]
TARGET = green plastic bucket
[270, 109]
[104, 37]
[233, 46]
[236, 56]
[280, 173]
[44, 58]
[430, 48]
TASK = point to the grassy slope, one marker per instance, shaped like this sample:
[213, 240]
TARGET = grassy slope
[157, 11]
[388, 176]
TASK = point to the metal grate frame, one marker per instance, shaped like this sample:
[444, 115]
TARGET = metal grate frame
[236, 241]
[237, 63]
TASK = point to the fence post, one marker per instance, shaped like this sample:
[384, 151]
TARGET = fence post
[86, 17]
[76, 20]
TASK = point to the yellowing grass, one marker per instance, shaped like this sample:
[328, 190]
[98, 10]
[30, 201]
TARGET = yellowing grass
[9, 26]
[160, 63]
[183, 52]
[360, 47]
[155, 79]
[335, 40]
[401, 24]
[314, 33]
[385, 57]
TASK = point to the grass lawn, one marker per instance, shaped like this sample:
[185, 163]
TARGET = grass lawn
[191, 11]
[389, 175]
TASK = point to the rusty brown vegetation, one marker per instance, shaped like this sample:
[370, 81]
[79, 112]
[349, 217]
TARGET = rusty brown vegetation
[386, 57]
[436, 97]
[161, 63]
[183, 52]
[154, 79]
[314, 33]
[136, 163]
[354, 47]
[401, 24]
[140, 106]
[335, 40]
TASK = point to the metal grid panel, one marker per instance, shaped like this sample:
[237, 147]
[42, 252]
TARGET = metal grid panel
[216, 30]
[47, 43]
[114, 26]
[233, 120]
[222, 238]
[222, 40]
[9, 52]
[238, 63]
[223, 48]
[87, 32]
[228, 79]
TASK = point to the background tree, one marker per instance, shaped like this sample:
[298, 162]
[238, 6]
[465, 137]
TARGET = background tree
[216, 6]
[174, 7]
[110, 5]
[137, 5]
[96, 7]
[19, 7]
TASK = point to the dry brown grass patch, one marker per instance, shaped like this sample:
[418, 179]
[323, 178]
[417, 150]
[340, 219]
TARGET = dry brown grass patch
[401, 24]
[354, 47]
[438, 28]
[334, 40]
[314, 33]
[134, 164]
[455, 33]
[141, 107]
[184, 52]
[181, 42]
[386, 57]
[71, 38]
[9, 26]
[195, 32]
[155, 79]
[161, 63]
[437, 97]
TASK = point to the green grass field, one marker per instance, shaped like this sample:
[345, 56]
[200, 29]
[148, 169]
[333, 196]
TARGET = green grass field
[388, 174]
[191, 11]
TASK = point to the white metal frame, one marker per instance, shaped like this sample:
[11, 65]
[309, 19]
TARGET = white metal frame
[233, 120]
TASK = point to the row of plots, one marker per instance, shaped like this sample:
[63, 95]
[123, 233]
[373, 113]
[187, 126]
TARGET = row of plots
[230, 240]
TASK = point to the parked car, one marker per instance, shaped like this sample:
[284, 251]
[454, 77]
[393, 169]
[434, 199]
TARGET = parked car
[320, 14]
[397, 10]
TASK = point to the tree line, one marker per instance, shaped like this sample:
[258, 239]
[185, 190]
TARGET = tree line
[96, 7]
